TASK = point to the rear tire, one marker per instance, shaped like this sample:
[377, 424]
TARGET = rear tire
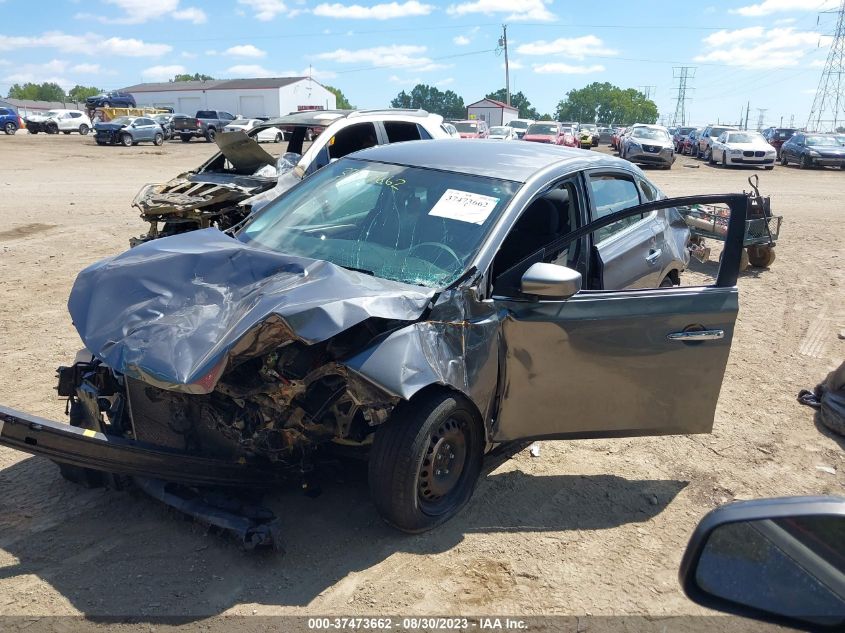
[210, 135]
[426, 460]
[84, 129]
[761, 256]
[10, 128]
[278, 138]
[158, 139]
[667, 282]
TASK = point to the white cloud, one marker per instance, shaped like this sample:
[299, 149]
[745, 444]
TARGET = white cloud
[516, 11]
[756, 47]
[245, 50]
[394, 56]
[574, 47]
[140, 11]
[265, 10]
[249, 70]
[88, 69]
[52, 71]
[385, 11]
[556, 68]
[768, 7]
[461, 40]
[90, 44]
[191, 14]
[162, 73]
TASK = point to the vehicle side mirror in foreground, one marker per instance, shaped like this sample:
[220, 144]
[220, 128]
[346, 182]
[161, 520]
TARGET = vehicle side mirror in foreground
[551, 281]
[776, 560]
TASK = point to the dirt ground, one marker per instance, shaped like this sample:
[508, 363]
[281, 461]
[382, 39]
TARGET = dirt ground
[589, 527]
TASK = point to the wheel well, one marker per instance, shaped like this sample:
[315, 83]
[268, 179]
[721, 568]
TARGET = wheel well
[675, 276]
[426, 392]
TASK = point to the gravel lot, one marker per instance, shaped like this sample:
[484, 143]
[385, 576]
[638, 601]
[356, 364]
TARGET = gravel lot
[589, 527]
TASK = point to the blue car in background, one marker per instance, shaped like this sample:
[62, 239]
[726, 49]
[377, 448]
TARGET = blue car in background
[10, 122]
[128, 130]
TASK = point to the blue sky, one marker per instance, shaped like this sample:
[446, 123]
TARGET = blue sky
[768, 52]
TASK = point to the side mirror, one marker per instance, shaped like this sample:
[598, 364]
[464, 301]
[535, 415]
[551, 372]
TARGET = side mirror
[550, 280]
[776, 560]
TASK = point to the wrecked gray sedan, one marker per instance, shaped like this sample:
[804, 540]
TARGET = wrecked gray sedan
[419, 303]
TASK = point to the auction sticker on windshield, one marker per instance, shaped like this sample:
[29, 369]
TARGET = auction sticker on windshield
[464, 206]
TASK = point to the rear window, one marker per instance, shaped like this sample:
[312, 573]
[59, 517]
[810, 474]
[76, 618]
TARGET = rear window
[784, 134]
[206, 114]
[466, 127]
[542, 128]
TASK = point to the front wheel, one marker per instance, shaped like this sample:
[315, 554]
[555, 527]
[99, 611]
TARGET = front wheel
[708, 156]
[158, 139]
[805, 163]
[126, 139]
[425, 461]
[278, 138]
[10, 128]
[84, 129]
[783, 161]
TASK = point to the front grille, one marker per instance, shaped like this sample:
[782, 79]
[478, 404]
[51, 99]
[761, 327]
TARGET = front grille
[748, 154]
[651, 148]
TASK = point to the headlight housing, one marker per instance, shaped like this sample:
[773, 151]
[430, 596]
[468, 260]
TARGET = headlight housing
[735, 152]
[813, 152]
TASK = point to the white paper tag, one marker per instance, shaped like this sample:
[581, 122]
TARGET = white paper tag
[464, 206]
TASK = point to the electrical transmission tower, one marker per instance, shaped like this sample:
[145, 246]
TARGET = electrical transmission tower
[828, 111]
[761, 117]
[683, 74]
[647, 90]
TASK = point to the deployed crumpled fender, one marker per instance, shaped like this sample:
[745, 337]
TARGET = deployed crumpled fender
[174, 312]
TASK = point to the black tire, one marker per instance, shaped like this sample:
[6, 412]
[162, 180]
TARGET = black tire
[51, 128]
[84, 129]
[65, 131]
[210, 134]
[278, 138]
[769, 167]
[761, 256]
[708, 156]
[10, 128]
[126, 139]
[186, 138]
[667, 282]
[158, 139]
[77, 474]
[408, 491]
[99, 142]
[33, 132]
[783, 160]
[724, 160]
[805, 162]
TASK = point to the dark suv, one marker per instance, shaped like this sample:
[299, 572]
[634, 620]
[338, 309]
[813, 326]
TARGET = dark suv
[10, 122]
[111, 100]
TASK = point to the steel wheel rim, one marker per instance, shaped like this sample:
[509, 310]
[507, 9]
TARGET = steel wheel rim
[443, 468]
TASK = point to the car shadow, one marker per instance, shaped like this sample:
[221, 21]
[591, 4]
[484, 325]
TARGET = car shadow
[121, 554]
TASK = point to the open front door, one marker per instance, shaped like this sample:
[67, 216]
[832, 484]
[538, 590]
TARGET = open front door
[613, 363]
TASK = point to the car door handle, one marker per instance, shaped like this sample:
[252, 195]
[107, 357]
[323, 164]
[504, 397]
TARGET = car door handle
[696, 335]
[654, 255]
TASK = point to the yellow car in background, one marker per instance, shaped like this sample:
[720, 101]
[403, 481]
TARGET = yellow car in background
[585, 139]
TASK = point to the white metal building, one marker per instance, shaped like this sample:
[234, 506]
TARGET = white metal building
[492, 111]
[270, 96]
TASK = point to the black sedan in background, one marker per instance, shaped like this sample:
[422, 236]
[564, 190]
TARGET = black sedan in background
[813, 150]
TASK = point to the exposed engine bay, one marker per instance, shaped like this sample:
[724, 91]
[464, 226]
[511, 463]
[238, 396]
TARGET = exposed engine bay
[211, 195]
[278, 406]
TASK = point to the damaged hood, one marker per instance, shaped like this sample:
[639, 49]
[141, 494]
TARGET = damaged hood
[174, 311]
[243, 151]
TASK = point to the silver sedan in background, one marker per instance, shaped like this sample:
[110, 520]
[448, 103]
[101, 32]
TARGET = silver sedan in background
[650, 145]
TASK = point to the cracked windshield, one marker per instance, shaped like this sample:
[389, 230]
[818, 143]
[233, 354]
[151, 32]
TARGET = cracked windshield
[417, 226]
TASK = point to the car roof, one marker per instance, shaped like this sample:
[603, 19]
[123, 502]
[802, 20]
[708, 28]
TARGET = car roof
[507, 161]
[324, 118]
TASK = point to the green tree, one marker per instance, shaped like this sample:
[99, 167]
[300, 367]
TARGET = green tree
[606, 103]
[518, 101]
[342, 102]
[48, 91]
[447, 104]
[194, 77]
[80, 93]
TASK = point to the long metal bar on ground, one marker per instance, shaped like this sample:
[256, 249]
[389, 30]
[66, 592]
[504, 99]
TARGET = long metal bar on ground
[90, 449]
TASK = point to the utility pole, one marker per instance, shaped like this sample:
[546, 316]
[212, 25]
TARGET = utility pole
[503, 43]
[791, 120]
[683, 74]
[761, 117]
[646, 90]
[828, 111]
[747, 110]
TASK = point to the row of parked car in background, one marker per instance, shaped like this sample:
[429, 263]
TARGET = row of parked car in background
[568, 133]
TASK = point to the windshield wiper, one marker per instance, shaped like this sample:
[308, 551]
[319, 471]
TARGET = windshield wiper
[359, 270]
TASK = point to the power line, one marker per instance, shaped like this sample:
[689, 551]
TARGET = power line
[828, 110]
[683, 75]
[647, 90]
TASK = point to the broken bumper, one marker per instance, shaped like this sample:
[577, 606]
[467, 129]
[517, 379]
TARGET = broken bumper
[112, 454]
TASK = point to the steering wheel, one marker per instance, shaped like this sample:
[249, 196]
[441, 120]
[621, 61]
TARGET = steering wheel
[441, 247]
